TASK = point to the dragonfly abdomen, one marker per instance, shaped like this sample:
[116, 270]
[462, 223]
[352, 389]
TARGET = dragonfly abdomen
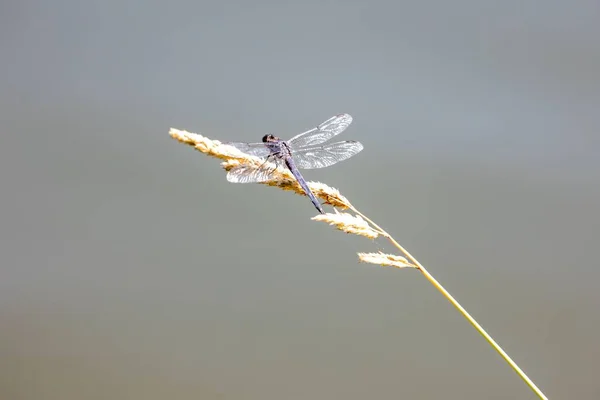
[292, 167]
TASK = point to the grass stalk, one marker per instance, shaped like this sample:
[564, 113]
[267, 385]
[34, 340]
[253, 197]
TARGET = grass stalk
[457, 305]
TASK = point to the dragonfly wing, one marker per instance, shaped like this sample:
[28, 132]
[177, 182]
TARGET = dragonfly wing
[324, 156]
[247, 173]
[321, 133]
[253, 149]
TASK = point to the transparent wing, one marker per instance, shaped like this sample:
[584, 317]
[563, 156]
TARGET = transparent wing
[321, 133]
[253, 149]
[245, 173]
[324, 156]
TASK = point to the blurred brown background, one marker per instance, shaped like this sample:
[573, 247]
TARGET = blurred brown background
[131, 269]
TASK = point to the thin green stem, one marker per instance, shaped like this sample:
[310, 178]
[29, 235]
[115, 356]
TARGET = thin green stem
[460, 308]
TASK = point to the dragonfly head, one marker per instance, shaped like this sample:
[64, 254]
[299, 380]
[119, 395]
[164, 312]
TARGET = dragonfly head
[269, 138]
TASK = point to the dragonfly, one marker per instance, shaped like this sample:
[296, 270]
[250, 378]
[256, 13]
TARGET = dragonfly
[304, 151]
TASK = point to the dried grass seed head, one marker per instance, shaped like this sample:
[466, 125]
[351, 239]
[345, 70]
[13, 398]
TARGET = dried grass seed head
[385, 260]
[348, 223]
[233, 157]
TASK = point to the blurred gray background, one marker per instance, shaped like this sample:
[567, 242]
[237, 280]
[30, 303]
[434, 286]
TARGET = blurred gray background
[131, 269]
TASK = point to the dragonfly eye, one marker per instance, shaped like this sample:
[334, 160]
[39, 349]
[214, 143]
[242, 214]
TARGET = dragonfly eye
[268, 138]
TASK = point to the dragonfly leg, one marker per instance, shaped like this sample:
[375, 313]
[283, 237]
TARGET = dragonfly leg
[266, 160]
[271, 157]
